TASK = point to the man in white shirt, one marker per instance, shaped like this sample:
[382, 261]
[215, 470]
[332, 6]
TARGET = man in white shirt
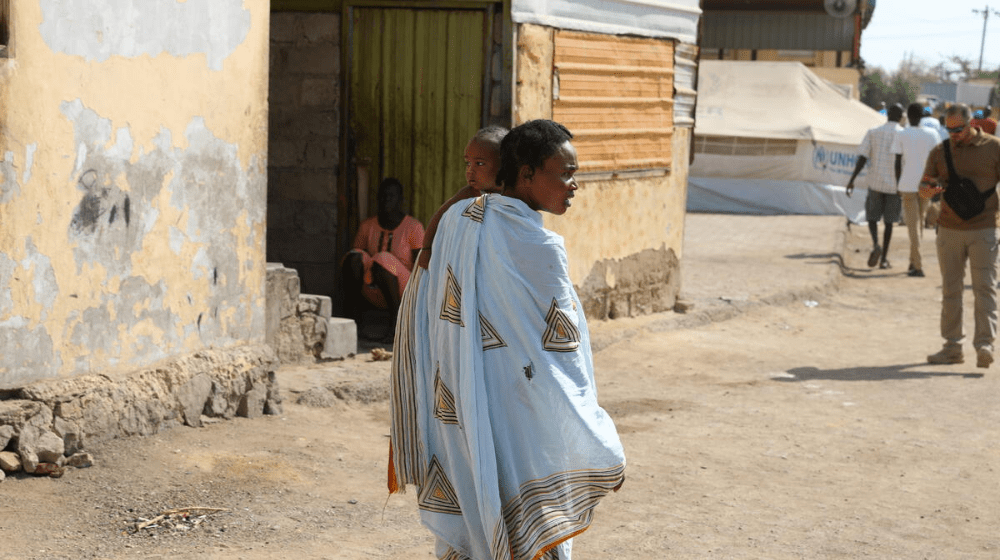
[911, 148]
[883, 201]
[932, 123]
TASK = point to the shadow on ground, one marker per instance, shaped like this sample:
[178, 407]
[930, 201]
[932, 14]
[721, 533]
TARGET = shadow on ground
[868, 373]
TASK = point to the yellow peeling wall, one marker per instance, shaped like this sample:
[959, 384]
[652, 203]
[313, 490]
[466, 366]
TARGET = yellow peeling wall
[623, 236]
[133, 176]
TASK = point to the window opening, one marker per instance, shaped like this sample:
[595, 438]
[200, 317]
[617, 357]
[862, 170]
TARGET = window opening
[4, 28]
[740, 146]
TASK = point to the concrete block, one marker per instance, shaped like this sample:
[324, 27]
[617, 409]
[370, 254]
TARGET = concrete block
[286, 27]
[320, 305]
[321, 27]
[325, 307]
[321, 58]
[341, 338]
[320, 91]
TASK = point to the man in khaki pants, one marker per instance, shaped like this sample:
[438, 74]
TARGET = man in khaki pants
[911, 147]
[976, 155]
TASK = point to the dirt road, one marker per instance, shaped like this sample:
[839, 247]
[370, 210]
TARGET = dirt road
[796, 429]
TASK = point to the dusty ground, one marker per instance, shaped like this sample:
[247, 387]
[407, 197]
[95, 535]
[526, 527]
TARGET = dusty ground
[789, 431]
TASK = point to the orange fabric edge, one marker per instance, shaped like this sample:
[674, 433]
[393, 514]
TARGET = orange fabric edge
[560, 541]
[393, 486]
[557, 543]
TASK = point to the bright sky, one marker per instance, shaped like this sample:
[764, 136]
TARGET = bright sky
[931, 30]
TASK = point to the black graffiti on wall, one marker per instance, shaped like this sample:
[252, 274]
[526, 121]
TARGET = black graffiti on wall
[97, 201]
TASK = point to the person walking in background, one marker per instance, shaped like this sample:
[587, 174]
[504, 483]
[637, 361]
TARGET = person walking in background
[912, 145]
[976, 156]
[983, 122]
[931, 122]
[988, 115]
[883, 201]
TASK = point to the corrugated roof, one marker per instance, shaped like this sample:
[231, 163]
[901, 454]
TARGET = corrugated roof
[776, 30]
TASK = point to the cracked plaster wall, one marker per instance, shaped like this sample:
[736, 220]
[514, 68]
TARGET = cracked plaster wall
[133, 176]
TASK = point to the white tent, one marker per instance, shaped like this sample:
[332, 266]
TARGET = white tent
[774, 138]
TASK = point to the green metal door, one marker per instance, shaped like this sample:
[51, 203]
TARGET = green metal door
[415, 97]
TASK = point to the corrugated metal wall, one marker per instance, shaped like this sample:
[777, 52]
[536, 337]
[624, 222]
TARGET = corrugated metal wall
[615, 94]
[776, 30]
[415, 98]
[685, 81]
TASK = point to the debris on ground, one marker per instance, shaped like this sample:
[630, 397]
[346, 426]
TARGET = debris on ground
[179, 520]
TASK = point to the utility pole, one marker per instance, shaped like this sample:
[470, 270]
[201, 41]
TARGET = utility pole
[986, 16]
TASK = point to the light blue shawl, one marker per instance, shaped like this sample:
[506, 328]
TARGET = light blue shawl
[494, 406]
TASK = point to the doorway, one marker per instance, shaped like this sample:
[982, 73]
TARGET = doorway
[414, 94]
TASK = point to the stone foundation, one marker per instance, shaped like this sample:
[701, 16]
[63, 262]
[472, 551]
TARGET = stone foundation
[48, 421]
[643, 283]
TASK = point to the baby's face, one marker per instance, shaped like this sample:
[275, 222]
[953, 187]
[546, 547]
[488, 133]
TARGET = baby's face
[482, 161]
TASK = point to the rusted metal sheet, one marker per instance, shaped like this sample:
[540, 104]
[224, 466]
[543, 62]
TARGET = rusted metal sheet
[765, 5]
[616, 95]
[415, 98]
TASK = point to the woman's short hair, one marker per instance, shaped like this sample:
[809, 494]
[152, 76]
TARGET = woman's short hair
[529, 144]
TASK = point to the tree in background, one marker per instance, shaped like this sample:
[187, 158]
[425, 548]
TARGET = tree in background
[902, 86]
[878, 88]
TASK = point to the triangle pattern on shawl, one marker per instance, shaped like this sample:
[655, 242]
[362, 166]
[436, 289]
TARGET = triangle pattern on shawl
[477, 210]
[491, 338]
[444, 401]
[451, 307]
[438, 495]
[560, 335]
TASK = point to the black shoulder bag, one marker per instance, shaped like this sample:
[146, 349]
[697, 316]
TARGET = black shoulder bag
[962, 195]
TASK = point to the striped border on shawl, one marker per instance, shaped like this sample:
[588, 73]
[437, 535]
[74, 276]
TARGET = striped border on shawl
[560, 335]
[453, 554]
[550, 510]
[500, 547]
[407, 460]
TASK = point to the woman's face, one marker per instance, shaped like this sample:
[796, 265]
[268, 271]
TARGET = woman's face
[482, 161]
[551, 187]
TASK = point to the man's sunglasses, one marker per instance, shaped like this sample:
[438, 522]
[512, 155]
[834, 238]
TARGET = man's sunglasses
[955, 129]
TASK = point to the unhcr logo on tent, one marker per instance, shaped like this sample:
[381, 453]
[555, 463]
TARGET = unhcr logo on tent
[833, 160]
[819, 157]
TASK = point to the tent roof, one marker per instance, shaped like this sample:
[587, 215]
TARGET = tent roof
[777, 100]
[676, 19]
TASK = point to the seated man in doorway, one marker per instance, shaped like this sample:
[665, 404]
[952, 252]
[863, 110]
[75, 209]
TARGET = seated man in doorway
[378, 267]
